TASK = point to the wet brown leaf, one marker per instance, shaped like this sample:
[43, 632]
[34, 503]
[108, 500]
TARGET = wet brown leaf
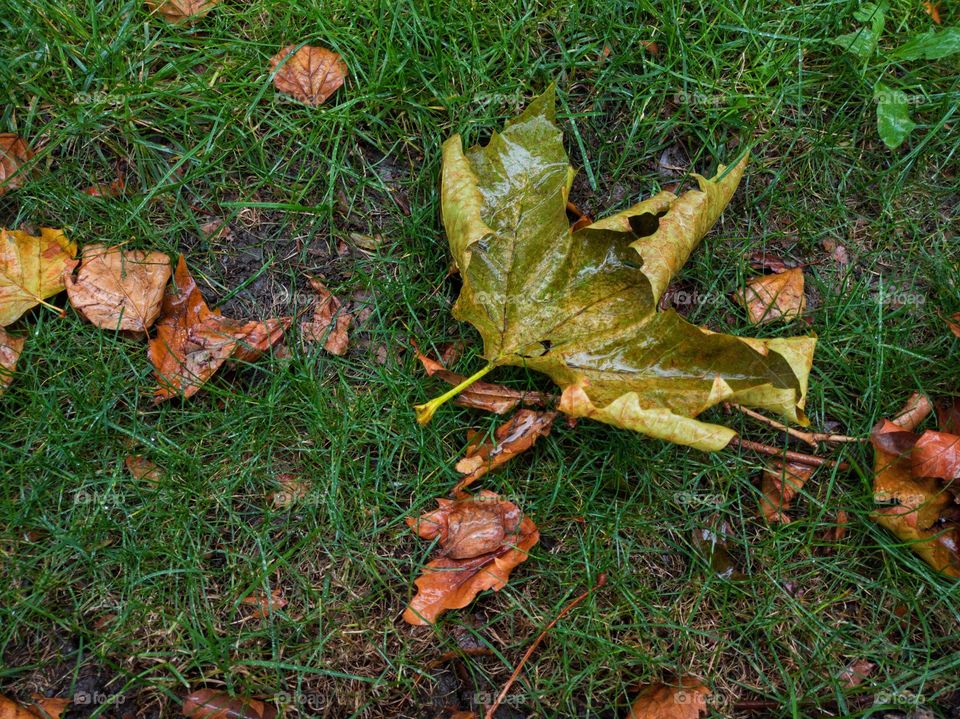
[779, 486]
[686, 700]
[50, 707]
[10, 349]
[32, 269]
[712, 543]
[114, 188]
[855, 674]
[142, 468]
[953, 323]
[14, 154]
[936, 454]
[768, 298]
[311, 74]
[194, 341]
[182, 10]
[330, 323]
[211, 704]
[482, 538]
[117, 289]
[264, 603]
[10, 709]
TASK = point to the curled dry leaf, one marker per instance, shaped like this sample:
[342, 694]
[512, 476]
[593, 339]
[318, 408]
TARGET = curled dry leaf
[194, 341]
[10, 349]
[768, 298]
[482, 539]
[182, 10]
[142, 468]
[330, 324]
[855, 673]
[265, 603]
[211, 704]
[14, 154]
[311, 74]
[117, 289]
[687, 699]
[780, 484]
[516, 435]
[32, 269]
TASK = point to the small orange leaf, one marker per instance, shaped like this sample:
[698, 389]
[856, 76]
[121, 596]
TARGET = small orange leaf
[31, 270]
[10, 709]
[311, 74]
[330, 324]
[50, 707]
[10, 349]
[932, 10]
[181, 10]
[780, 484]
[265, 603]
[292, 491]
[211, 704]
[854, 675]
[142, 468]
[953, 323]
[14, 154]
[771, 297]
[688, 700]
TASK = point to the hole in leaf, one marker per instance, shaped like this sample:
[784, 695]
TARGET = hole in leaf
[646, 224]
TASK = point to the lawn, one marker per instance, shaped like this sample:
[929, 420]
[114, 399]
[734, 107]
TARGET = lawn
[129, 594]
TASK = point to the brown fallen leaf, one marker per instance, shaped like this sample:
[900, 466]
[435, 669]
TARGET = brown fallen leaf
[779, 486]
[855, 673]
[482, 538]
[292, 490]
[265, 603]
[311, 74]
[712, 543]
[687, 700]
[916, 409]
[182, 10]
[50, 707]
[142, 468]
[837, 251]
[114, 188]
[932, 10]
[117, 289]
[14, 154]
[327, 312]
[948, 415]
[768, 261]
[936, 454]
[32, 269]
[10, 709]
[830, 536]
[211, 704]
[953, 323]
[768, 298]
[10, 349]
[516, 435]
[193, 341]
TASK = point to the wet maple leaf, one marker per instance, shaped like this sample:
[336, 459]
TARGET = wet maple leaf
[311, 74]
[582, 306]
[482, 538]
[117, 289]
[32, 269]
[330, 324]
[686, 700]
[780, 484]
[193, 341]
[211, 704]
[779, 296]
[10, 349]
[182, 10]
[14, 154]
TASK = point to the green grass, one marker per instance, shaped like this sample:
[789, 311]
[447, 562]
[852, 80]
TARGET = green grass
[113, 586]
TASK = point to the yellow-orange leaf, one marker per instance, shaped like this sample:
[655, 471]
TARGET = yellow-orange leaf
[330, 324]
[182, 10]
[768, 298]
[14, 153]
[142, 468]
[10, 349]
[311, 74]
[31, 269]
[688, 700]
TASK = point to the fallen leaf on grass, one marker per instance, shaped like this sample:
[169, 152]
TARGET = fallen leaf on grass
[50, 707]
[32, 269]
[932, 10]
[712, 543]
[142, 468]
[516, 435]
[292, 491]
[953, 323]
[311, 74]
[10, 709]
[855, 674]
[182, 10]
[779, 486]
[779, 296]
[194, 341]
[265, 603]
[661, 701]
[582, 307]
[117, 289]
[10, 349]
[936, 454]
[14, 154]
[482, 539]
[330, 324]
[113, 188]
[211, 704]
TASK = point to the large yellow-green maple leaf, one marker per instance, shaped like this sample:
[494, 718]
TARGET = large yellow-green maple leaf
[582, 306]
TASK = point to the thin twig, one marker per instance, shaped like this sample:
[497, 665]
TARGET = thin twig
[601, 580]
[810, 438]
[790, 456]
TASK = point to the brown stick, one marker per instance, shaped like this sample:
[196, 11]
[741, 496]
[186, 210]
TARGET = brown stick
[798, 457]
[810, 438]
[601, 580]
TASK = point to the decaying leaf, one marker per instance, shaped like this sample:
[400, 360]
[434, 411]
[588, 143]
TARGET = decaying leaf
[779, 296]
[211, 704]
[32, 269]
[311, 74]
[265, 603]
[582, 307]
[516, 435]
[936, 454]
[50, 707]
[182, 10]
[687, 699]
[712, 542]
[482, 538]
[10, 709]
[291, 491]
[10, 349]
[855, 673]
[780, 484]
[142, 468]
[14, 154]
[194, 341]
[330, 323]
[117, 289]
[953, 323]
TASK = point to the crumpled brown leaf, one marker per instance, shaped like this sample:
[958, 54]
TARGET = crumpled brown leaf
[193, 341]
[779, 296]
[142, 468]
[936, 454]
[117, 289]
[32, 269]
[330, 323]
[516, 435]
[264, 603]
[182, 10]
[14, 154]
[781, 483]
[211, 704]
[482, 538]
[686, 700]
[10, 349]
[311, 74]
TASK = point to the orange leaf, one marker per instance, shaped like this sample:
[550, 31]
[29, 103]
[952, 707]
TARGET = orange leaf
[780, 485]
[265, 603]
[14, 153]
[194, 341]
[211, 704]
[50, 707]
[10, 349]
[327, 312]
[771, 297]
[180, 10]
[311, 74]
[31, 270]
[660, 701]
[482, 539]
[114, 188]
[932, 10]
[142, 468]
[855, 673]
[936, 454]
[953, 323]
[118, 289]
[10, 709]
